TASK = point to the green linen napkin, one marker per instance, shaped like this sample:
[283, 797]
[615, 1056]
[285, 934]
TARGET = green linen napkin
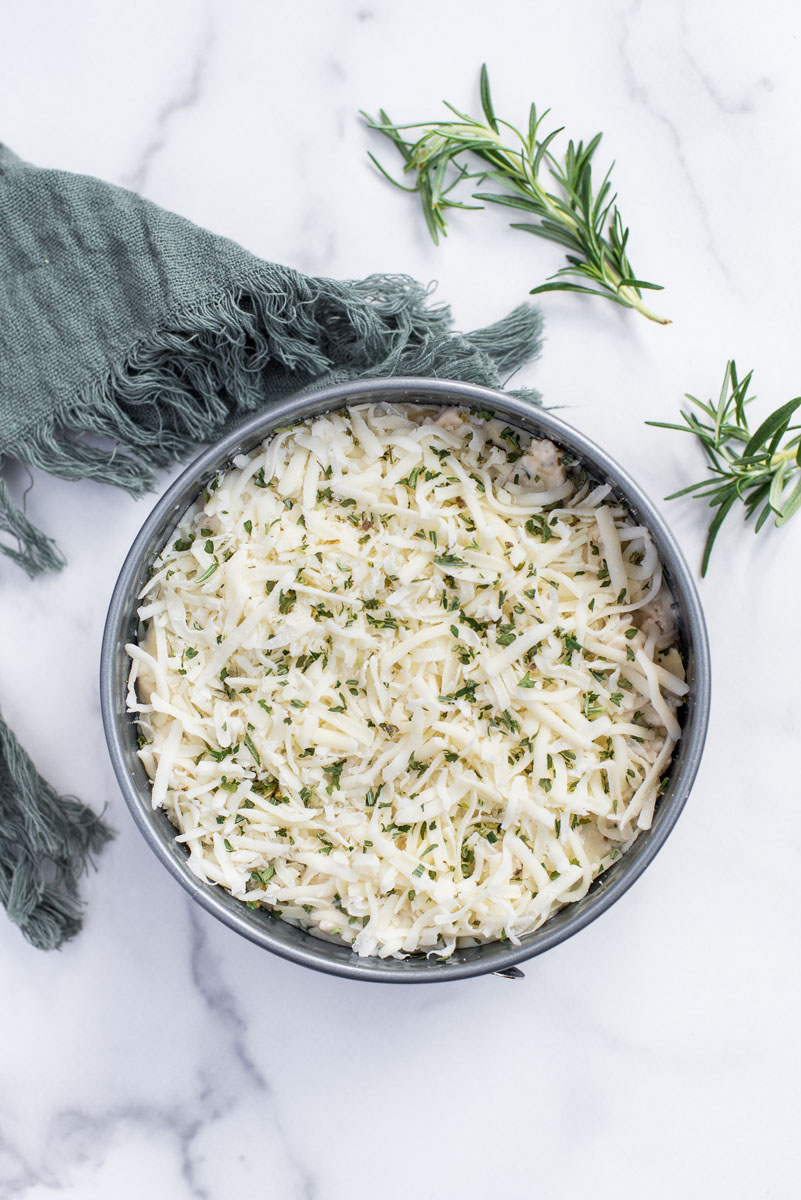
[128, 335]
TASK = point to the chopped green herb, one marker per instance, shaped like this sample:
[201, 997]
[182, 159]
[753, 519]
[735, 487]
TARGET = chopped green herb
[505, 635]
[254, 752]
[507, 721]
[208, 573]
[372, 796]
[286, 601]
[467, 692]
[385, 622]
[538, 526]
[334, 773]
[415, 765]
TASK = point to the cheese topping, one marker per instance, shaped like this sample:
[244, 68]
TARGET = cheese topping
[407, 679]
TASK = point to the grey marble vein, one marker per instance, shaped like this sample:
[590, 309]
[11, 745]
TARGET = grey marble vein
[17, 1175]
[188, 93]
[79, 1139]
[745, 103]
[222, 1005]
[640, 94]
[220, 1001]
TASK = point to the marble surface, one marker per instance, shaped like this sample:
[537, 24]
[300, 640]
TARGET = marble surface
[656, 1054]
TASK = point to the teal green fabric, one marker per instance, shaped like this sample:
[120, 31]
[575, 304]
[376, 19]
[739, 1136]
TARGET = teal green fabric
[128, 335]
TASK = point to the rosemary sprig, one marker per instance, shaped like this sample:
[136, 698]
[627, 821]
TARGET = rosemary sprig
[587, 225]
[754, 468]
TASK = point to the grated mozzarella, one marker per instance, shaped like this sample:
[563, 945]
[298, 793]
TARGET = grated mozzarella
[406, 679]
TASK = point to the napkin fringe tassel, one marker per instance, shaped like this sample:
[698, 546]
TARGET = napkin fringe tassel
[46, 842]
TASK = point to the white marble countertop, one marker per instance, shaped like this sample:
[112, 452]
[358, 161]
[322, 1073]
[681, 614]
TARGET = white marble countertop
[656, 1054]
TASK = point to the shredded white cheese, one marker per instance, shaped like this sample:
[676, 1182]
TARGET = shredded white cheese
[406, 680]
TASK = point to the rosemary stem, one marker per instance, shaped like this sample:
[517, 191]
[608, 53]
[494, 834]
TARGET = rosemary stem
[634, 301]
[782, 456]
[751, 472]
